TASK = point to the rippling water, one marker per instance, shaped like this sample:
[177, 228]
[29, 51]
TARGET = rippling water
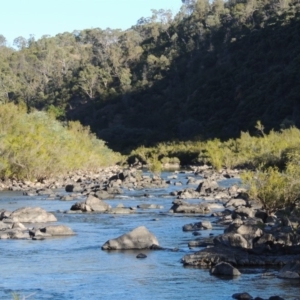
[77, 268]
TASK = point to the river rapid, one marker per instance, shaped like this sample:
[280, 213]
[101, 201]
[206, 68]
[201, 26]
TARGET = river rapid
[76, 267]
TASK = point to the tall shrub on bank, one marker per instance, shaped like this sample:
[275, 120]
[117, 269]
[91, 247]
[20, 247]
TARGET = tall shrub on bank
[37, 146]
[275, 189]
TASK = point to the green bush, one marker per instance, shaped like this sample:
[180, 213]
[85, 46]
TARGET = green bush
[275, 189]
[155, 166]
[36, 146]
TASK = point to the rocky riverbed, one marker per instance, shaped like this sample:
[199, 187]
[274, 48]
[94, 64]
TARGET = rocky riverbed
[220, 230]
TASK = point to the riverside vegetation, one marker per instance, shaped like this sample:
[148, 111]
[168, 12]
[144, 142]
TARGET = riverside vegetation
[35, 146]
[273, 159]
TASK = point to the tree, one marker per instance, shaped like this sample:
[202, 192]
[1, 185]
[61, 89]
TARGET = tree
[88, 80]
[125, 79]
[201, 8]
[188, 6]
[20, 42]
[7, 84]
[2, 41]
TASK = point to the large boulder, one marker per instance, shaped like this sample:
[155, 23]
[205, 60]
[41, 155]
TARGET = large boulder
[96, 204]
[30, 215]
[139, 238]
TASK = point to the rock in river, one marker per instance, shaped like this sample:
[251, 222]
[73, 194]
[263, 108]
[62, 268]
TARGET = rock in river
[30, 215]
[57, 230]
[139, 238]
[225, 269]
[91, 204]
[184, 207]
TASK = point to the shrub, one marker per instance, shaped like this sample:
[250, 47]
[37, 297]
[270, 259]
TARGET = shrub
[36, 146]
[275, 189]
[267, 187]
[155, 166]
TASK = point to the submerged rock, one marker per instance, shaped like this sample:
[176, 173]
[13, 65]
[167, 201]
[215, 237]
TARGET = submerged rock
[225, 269]
[120, 210]
[242, 296]
[57, 230]
[141, 255]
[139, 238]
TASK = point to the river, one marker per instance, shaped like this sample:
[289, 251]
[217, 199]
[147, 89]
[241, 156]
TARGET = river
[76, 267]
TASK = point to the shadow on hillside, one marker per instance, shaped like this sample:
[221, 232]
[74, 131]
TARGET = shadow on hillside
[209, 94]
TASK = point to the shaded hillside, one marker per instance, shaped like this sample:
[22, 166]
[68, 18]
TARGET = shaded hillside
[212, 70]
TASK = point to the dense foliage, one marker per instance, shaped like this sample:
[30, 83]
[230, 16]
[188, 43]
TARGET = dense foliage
[264, 150]
[36, 146]
[271, 162]
[211, 71]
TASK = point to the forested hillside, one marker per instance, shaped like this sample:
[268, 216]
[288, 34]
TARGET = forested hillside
[213, 70]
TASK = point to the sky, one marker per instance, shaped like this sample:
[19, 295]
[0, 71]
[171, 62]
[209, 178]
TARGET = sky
[50, 17]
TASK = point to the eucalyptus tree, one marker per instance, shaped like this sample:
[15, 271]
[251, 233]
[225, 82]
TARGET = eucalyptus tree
[88, 80]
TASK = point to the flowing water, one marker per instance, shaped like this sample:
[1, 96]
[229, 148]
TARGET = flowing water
[76, 267]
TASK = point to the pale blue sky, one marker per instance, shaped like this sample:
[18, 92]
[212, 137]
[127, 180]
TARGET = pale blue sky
[39, 17]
